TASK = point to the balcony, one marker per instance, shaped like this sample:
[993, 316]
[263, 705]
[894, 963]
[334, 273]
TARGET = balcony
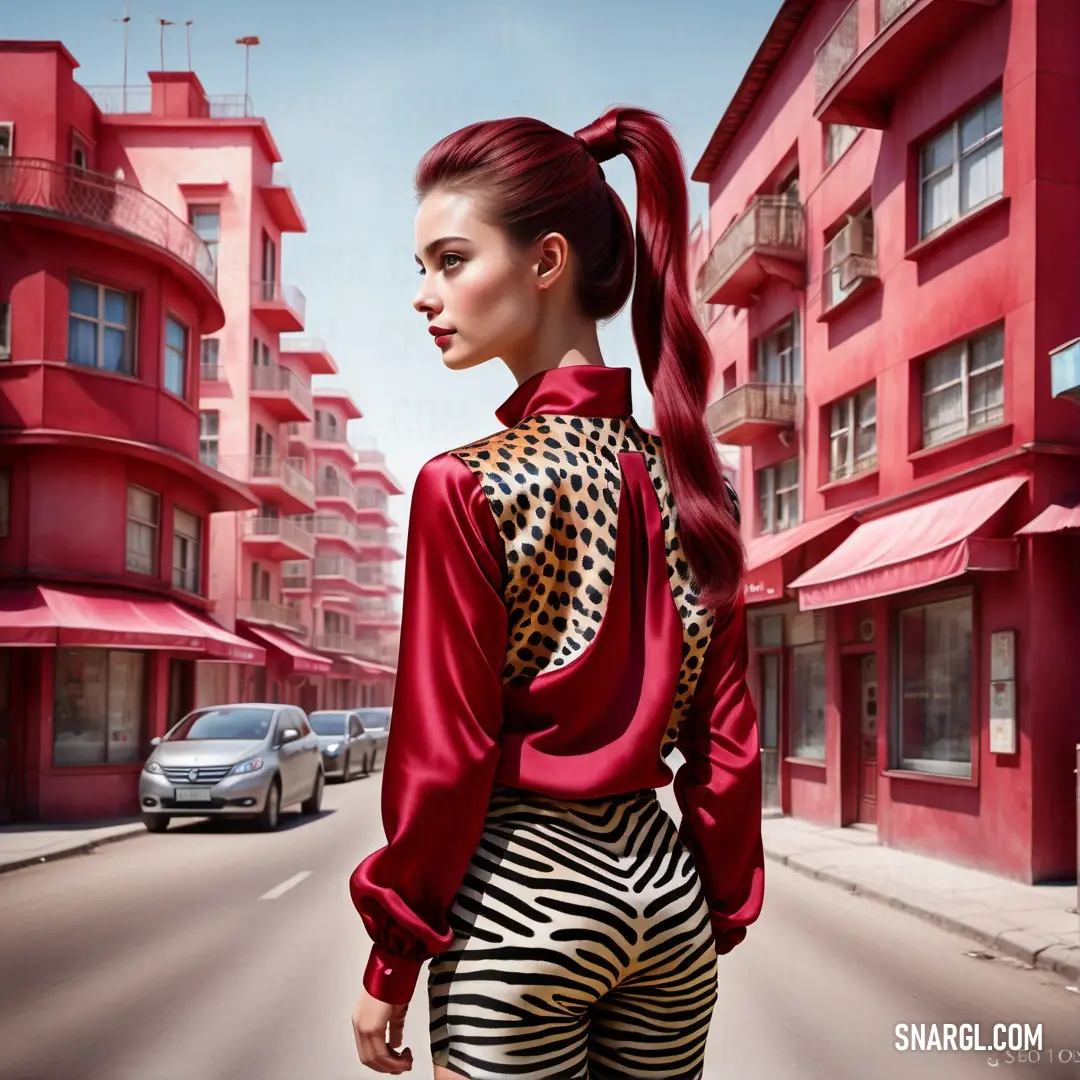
[278, 538]
[753, 412]
[379, 545]
[331, 441]
[850, 265]
[377, 612]
[276, 480]
[296, 576]
[370, 464]
[312, 352]
[374, 579]
[1065, 371]
[767, 241]
[335, 571]
[101, 206]
[335, 641]
[335, 489]
[281, 392]
[334, 527]
[266, 612]
[858, 87]
[282, 308]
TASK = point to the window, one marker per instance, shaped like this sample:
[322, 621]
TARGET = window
[964, 387]
[99, 708]
[176, 344]
[269, 266]
[848, 258]
[100, 325]
[260, 582]
[142, 530]
[853, 434]
[209, 370]
[961, 168]
[838, 137]
[187, 530]
[5, 502]
[778, 355]
[778, 496]
[5, 331]
[209, 425]
[934, 710]
[80, 157]
[7, 138]
[260, 353]
[808, 701]
[206, 221]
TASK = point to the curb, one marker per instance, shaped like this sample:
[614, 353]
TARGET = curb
[82, 848]
[1010, 942]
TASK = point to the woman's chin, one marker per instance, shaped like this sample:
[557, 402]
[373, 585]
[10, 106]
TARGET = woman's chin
[457, 358]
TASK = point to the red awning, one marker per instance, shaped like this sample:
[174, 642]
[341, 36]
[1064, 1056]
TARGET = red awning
[920, 546]
[349, 667]
[764, 579]
[43, 615]
[301, 661]
[1057, 517]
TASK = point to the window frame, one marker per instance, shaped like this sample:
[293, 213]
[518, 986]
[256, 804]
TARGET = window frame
[214, 245]
[101, 324]
[768, 485]
[154, 527]
[5, 329]
[806, 751]
[955, 163]
[170, 350]
[188, 578]
[212, 345]
[790, 357]
[833, 292]
[9, 127]
[208, 438]
[826, 142]
[964, 382]
[854, 464]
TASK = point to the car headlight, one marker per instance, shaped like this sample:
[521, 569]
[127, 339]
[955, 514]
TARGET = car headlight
[153, 766]
[333, 748]
[254, 765]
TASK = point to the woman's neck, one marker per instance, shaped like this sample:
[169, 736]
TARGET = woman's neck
[562, 342]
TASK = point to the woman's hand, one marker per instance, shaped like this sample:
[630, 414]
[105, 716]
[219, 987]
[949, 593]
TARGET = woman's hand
[376, 1046]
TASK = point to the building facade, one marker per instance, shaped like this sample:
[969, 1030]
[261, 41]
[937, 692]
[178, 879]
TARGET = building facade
[154, 508]
[890, 310]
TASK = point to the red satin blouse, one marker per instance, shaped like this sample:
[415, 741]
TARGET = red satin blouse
[547, 644]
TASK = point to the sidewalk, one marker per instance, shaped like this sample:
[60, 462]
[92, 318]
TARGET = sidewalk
[25, 845]
[1037, 924]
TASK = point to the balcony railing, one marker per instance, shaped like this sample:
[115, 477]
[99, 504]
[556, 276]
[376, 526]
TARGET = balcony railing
[888, 10]
[52, 189]
[211, 373]
[139, 99]
[287, 531]
[330, 433]
[296, 574]
[269, 467]
[266, 611]
[836, 53]
[742, 415]
[334, 566]
[369, 498]
[335, 641]
[273, 378]
[335, 487]
[276, 292]
[768, 239]
[333, 525]
[367, 574]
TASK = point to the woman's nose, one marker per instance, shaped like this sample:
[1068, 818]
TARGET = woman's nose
[425, 302]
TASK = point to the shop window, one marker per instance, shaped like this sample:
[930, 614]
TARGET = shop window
[778, 496]
[853, 434]
[206, 221]
[808, 701]
[933, 644]
[176, 349]
[961, 168]
[187, 550]
[209, 427]
[99, 711]
[209, 359]
[143, 515]
[7, 138]
[5, 331]
[964, 387]
[5, 501]
[778, 359]
[838, 137]
[101, 323]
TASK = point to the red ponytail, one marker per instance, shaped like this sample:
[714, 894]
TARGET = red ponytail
[539, 180]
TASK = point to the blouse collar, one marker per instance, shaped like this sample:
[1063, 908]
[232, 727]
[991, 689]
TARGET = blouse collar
[580, 390]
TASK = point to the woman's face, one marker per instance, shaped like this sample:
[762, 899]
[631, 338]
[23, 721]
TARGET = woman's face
[476, 285]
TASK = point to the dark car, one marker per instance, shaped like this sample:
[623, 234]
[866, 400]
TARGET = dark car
[376, 721]
[347, 751]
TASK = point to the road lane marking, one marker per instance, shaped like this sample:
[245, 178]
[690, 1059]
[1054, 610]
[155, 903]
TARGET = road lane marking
[285, 886]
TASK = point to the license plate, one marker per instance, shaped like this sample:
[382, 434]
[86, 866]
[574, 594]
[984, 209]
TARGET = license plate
[193, 794]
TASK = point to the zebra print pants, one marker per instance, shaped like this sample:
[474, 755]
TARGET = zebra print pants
[582, 947]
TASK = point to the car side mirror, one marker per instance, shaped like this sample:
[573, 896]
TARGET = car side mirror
[155, 740]
[290, 734]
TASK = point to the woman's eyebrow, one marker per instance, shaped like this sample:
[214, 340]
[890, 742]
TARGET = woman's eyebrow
[436, 244]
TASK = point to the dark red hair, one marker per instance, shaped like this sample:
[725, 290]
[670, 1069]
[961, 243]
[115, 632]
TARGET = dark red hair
[536, 180]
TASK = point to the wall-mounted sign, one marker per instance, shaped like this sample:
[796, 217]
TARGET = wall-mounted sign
[1003, 717]
[1003, 655]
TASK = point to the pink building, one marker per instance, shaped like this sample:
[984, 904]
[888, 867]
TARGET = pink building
[885, 289]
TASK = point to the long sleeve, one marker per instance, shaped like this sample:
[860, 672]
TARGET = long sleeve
[719, 786]
[446, 717]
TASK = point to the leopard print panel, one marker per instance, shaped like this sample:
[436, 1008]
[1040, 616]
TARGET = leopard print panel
[553, 484]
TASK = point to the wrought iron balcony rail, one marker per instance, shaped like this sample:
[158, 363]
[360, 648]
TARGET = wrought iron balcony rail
[59, 190]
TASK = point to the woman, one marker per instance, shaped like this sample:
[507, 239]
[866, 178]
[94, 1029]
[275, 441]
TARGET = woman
[572, 611]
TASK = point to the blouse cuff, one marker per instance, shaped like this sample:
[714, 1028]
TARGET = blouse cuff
[391, 979]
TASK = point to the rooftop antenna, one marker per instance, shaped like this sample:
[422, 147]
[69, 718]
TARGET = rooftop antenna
[247, 42]
[164, 23]
[187, 28]
[125, 20]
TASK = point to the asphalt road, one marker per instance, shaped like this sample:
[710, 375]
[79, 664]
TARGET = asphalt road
[217, 953]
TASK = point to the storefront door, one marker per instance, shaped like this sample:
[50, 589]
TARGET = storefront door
[7, 756]
[769, 727]
[868, 712]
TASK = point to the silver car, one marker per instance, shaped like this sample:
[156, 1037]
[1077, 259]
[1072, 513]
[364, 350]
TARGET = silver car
[376, 721]
[233, 761]
[347, 750]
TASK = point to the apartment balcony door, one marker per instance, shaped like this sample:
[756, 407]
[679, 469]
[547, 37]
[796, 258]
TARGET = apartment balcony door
[769, 726]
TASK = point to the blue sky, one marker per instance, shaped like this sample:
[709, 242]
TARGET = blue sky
[355, 92]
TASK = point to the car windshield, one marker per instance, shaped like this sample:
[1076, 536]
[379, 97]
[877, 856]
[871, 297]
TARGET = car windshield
[374, 719]
[328, 723]
[234, 722]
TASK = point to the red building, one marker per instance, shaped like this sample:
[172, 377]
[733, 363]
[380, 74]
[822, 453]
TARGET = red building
[105, 295]
[883, 284]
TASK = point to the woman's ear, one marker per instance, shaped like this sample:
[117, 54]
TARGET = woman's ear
[552, 259]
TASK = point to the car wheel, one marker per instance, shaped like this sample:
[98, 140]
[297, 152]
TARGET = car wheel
[270, 815]
[312, 804]
[374, 759]
[156, 822]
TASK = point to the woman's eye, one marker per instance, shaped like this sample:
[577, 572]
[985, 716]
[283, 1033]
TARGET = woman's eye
[450, 255]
